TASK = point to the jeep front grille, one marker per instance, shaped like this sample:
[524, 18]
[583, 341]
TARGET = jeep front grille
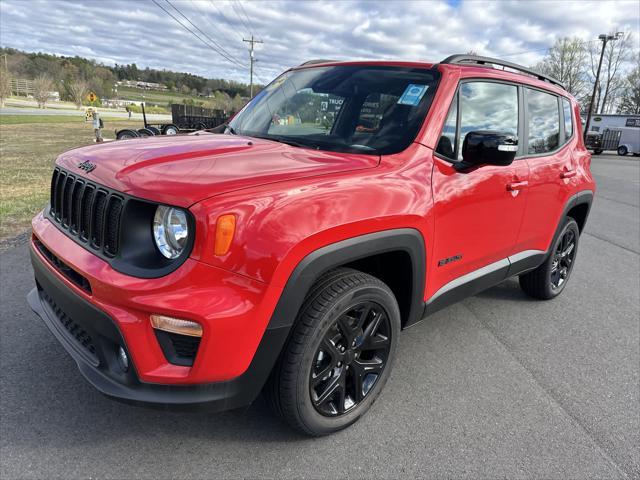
[87, 211]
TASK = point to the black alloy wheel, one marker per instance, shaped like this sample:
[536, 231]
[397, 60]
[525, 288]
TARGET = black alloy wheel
[563, 257]
[339, 354]
[549, 279]
[350, 359]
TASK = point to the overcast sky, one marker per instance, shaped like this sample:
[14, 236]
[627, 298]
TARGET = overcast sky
[138, 31]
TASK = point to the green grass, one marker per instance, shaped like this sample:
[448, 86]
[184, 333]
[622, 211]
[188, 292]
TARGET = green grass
[80, 118]
[27, 154]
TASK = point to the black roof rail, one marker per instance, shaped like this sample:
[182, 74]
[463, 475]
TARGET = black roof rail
[475, 59]
[317, 60]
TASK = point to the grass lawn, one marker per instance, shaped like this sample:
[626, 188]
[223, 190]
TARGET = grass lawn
[28, 150]
[80, 118]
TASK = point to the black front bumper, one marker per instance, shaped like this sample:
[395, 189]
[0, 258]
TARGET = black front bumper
[92, 338]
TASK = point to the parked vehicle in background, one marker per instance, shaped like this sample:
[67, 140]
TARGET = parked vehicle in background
[629, 142]
[184, 119]
[344, 203]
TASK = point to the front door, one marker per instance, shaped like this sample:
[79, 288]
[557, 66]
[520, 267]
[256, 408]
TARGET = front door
[478, 213]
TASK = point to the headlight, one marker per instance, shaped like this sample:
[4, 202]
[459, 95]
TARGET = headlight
[170, 231]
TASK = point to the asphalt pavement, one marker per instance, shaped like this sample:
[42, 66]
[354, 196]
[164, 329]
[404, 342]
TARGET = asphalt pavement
[496, 386]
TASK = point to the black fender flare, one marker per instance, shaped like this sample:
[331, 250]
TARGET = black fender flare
[304, 276]
[583, 197]
[340, 253]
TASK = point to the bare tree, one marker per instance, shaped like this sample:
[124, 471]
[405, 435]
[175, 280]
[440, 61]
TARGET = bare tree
[5, 85]
[77, 90]
[566, 61]
[611, 83]
[630, 99]
[42, 87]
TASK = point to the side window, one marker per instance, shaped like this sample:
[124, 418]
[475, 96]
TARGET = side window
[483, 106]
[543, 119]
[447, 141]
[568, 119]
[487, 106]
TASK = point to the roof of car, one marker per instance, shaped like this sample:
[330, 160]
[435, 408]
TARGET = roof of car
[471, 65]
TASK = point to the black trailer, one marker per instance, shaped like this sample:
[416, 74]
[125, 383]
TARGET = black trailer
[184, 119]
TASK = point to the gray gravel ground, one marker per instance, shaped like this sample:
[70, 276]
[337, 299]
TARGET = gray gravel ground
[496, 386]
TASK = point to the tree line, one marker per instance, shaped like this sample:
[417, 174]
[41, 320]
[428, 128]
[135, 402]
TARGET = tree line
[574, 62]
[75, 77]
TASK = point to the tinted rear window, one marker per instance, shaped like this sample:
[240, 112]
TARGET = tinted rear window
[543, 119]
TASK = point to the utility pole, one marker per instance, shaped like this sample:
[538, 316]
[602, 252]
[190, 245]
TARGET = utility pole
[252, 42]
[604, 38]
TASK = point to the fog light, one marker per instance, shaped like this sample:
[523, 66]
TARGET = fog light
[176, 325]
[123, 359]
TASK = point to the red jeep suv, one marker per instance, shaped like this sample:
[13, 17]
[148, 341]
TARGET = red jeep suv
[284, 254]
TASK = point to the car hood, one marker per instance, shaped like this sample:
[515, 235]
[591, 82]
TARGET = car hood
[183, 170]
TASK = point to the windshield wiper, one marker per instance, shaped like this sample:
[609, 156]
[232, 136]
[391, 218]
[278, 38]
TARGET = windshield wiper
[232, 130]
[287, 141]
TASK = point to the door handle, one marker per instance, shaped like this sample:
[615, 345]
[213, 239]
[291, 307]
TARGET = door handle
[512, 187]
[568, 174]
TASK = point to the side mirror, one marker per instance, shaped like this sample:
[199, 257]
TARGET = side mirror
[487, 148]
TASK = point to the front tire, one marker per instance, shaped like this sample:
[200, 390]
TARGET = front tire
[622, 150]
[339, 355]
[549, 279]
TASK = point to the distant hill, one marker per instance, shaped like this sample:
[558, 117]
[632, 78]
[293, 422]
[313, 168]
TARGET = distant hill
[102, 78]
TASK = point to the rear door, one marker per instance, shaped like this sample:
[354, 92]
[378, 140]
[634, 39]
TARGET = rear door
[550, 145]
[478, 213]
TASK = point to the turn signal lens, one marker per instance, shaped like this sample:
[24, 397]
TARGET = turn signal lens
[175, 325]
[225, 228]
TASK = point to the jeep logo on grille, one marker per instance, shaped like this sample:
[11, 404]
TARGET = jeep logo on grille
[87, 166]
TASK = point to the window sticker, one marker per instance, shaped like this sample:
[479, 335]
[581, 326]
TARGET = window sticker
[413, 94]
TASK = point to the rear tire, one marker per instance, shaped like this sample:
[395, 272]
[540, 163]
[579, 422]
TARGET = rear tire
[339, 355]
[145, 132]
[170, 130]
[549, 279]
[126, 134]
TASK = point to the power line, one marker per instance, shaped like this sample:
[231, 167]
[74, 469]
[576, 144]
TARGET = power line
[235, 62]
[233, 6]
[220, 48]
[222, 14]
[212, 24]
[246, 16]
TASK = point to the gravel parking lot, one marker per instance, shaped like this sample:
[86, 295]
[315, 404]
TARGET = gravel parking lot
[496, 386]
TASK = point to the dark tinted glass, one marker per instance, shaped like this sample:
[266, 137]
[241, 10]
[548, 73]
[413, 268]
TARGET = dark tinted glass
[364, 109]
[544, 121]
[568, 119]
[487, 106]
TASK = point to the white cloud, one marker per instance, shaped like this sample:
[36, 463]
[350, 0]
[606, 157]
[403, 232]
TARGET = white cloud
[119, 31]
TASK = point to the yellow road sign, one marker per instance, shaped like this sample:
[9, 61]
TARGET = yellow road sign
[92, 97]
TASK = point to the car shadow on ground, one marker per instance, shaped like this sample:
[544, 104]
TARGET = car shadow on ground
[508, 290]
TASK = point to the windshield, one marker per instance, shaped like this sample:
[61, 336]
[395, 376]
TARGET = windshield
[363, 109]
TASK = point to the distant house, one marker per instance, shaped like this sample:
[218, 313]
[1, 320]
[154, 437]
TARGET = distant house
[113, 103]
[142, 85]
